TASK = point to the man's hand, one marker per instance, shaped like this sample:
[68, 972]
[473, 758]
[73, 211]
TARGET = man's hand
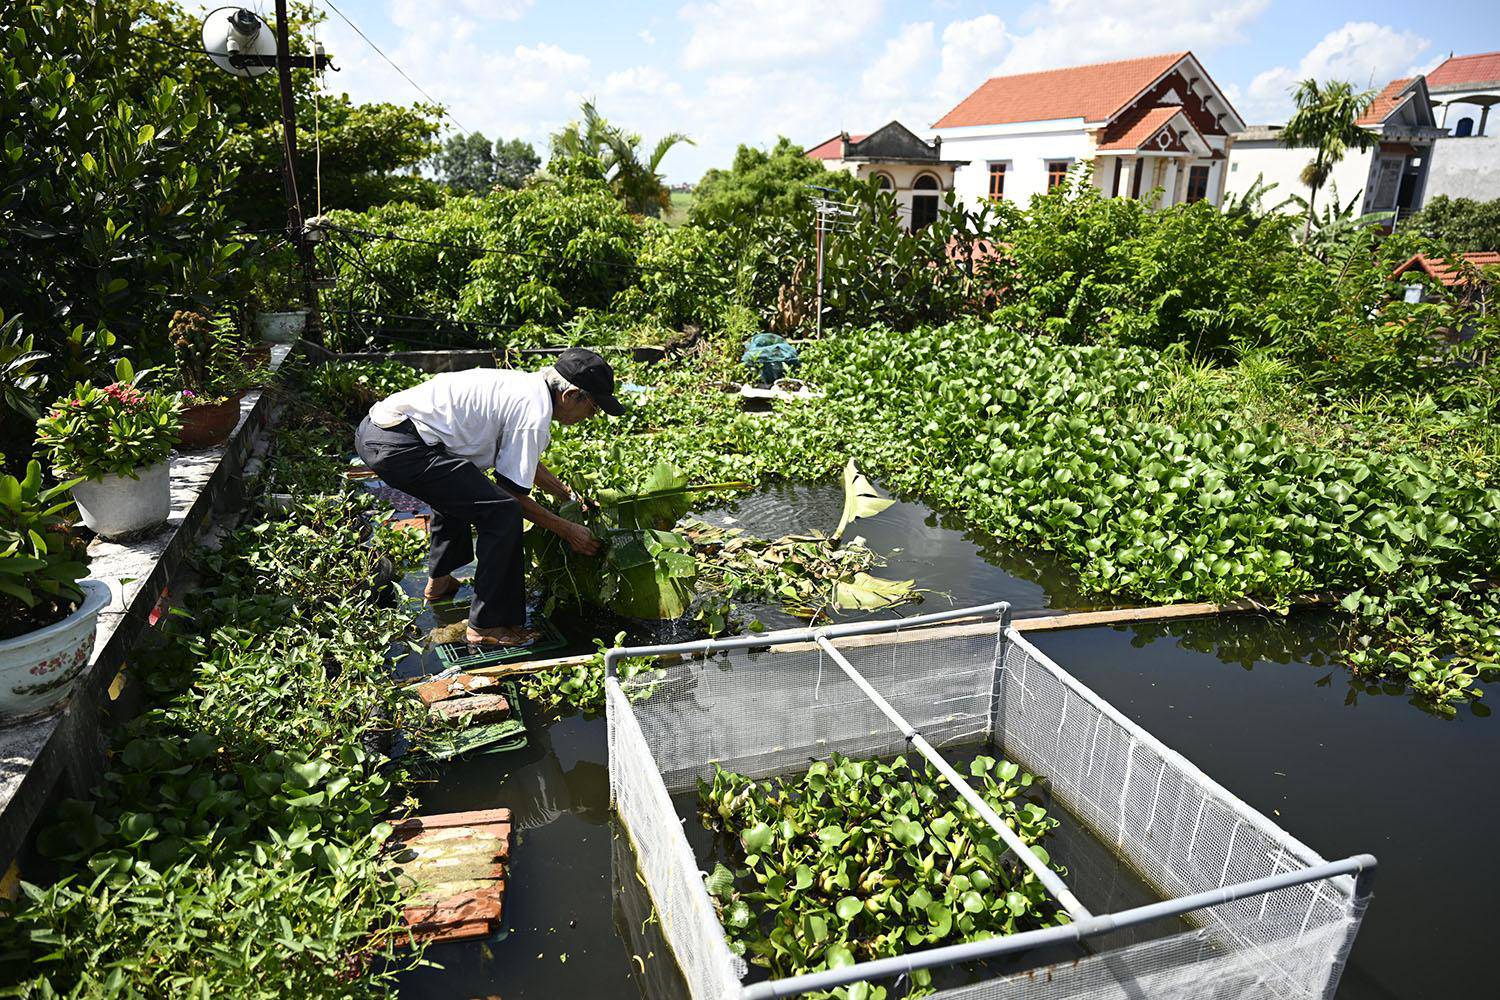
[580, 538]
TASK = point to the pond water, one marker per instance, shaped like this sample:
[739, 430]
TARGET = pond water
[1253, 701]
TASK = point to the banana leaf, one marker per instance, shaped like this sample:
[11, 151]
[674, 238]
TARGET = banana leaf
[860, 500]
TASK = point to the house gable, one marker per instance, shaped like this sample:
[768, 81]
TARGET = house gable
[1186, 88]
[1401, 102]
[892, 142]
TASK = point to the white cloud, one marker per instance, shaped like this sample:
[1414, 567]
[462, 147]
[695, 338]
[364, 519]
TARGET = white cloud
[731, 33]
[645, 35]
[1071, 32]
[971, 55]
[903, 66]
[1364, 53]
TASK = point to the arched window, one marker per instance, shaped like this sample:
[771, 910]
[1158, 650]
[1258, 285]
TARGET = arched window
[884, 182]
[1465, 127]
[924, 201]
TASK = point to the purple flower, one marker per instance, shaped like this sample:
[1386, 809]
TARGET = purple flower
[189, 394]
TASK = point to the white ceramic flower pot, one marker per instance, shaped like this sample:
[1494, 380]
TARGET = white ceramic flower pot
[37, 670]
[280, 327]
[119, 506]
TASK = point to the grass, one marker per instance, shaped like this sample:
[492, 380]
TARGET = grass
[682, 203]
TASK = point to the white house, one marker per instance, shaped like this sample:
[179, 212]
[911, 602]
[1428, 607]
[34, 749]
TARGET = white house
[899, 161]
[1390, 177]
[1157, 122]
[1465, 88]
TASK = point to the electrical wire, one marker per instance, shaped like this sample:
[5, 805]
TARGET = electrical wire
[378, 51]
[317, 128]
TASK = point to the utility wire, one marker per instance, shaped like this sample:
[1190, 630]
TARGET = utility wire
[446, 113]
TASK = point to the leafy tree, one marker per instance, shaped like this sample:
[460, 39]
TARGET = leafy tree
[112, 188]
[1460, 224]
[759, 182]
[473, 165]
[594, 148]
[370, 152]
[1327, 120]
[515, 161]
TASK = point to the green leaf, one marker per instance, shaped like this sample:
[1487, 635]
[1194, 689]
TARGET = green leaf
[906, 832]
[860, 500]
[756, 839]
[848, 907]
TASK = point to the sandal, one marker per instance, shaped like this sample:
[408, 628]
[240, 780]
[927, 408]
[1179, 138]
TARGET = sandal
[518, 638]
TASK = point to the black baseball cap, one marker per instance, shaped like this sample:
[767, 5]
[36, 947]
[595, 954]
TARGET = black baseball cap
[591, 373]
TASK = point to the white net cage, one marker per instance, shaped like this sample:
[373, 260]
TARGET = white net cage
[1135, 806]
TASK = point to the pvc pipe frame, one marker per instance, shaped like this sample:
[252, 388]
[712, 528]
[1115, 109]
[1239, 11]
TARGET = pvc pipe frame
[1049, 878]
[1360, 865]
[768, 639]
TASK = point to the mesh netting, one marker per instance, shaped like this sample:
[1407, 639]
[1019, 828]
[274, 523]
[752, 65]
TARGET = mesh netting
[770, 712]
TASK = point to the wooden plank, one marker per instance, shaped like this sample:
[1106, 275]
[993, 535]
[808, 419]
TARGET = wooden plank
[1055, 622]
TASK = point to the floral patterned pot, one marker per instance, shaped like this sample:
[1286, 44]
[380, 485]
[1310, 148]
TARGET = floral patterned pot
[210, 424]
[37, 670]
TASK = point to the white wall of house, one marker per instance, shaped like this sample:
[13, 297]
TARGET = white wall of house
[1283, 167]
[1467, 168]
[903, 175]
[1025, 148]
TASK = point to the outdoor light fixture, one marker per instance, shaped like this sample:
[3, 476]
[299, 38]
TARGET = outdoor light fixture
[239, 42]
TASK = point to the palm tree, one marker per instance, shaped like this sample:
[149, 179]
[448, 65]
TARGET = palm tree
[1327, 119]
[607, 151]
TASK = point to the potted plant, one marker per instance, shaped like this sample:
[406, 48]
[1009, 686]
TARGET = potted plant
[118, 441]
[280, 316]
[46, 612]
[214, 371]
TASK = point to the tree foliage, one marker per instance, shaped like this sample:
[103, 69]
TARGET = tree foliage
[471, 164]
[594, 148]
[759, 182]
[1459, 224]
[113, 188]
[1327, 120]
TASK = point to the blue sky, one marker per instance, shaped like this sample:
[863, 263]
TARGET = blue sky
[731, 71]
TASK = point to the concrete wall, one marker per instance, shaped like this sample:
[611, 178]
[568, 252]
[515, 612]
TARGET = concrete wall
[1024, 148]
[1283, 167]
[1466, 168]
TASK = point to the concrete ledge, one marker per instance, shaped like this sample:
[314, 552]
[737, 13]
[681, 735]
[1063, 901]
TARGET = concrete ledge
[63, 754]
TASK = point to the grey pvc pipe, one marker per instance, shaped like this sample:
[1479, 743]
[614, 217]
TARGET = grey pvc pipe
[885, 968]
[703, 648]
[1049, 878]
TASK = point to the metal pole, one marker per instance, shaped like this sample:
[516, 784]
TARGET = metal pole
[818, 319]
[971, 951]
[294, 223]
[1049, 878]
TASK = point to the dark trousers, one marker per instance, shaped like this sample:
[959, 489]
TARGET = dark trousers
[463, 500]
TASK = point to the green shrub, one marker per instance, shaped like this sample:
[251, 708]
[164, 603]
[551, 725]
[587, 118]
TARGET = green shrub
[1458, 224]
[117, 430]
[41, 559]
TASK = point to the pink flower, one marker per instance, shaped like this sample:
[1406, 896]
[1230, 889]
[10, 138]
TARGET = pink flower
[189, 394]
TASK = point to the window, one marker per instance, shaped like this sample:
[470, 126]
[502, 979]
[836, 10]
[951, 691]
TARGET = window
[1197, 183]
[924, 202]
[997, 181]
[884, 182]
[1057, 172]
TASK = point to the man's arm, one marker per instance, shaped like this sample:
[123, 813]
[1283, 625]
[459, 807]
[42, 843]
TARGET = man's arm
[548, 483]
[580, 538]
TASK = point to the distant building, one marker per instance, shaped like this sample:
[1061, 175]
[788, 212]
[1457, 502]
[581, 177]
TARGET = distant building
[1390, 177]
[1465, 88]
[1157, 122]
[899, 161]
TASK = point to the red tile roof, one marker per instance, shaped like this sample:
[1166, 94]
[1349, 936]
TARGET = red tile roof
[1122, 135]
[1439, 268]
[1092, 93]
[1388, 100]
[1455, 71]
[832, 149]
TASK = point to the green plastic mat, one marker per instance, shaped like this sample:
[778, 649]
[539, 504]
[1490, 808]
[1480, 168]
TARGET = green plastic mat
[466, 657]
[497, 737]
